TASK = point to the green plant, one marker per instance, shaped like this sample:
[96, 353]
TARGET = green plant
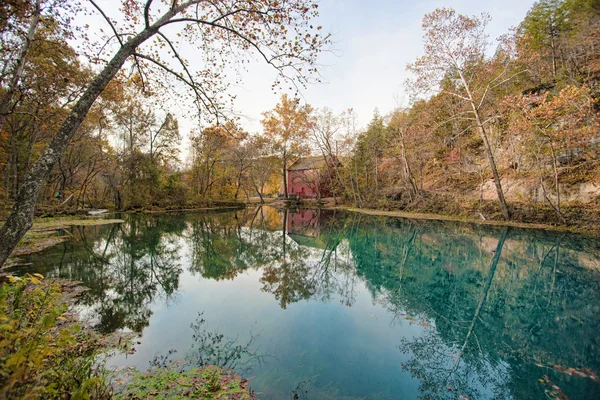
[199, 383]
[43, 353]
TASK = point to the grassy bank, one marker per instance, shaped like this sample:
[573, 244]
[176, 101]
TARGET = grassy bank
[158, 210]
[48, 232]
[55, 223]
[51, 229]
[440, 217]
[190, 206]
[575, 217]
[580, 218]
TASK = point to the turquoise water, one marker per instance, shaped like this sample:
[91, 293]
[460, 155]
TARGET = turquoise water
[324, 305]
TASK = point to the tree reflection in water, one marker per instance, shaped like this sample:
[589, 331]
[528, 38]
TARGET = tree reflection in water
[125, 266]
[498, 309]
[497, 313]
[438, 365]
[295, 266]
[214, 348]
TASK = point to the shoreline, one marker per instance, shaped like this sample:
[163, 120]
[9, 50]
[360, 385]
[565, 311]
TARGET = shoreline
[49, 232]
[45, 231]
[186, 210]
[441, 217]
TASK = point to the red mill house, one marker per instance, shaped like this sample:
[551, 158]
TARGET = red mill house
[310, 177]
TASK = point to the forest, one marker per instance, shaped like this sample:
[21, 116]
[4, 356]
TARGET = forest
[494, 129]
[126, 107]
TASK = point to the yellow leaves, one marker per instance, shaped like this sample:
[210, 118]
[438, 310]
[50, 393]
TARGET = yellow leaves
[31, 344]
[15, 360]
[9, 326]
[34, 280]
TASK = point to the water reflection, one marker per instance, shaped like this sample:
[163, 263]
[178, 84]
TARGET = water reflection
[214, 348]
[126, 266]
[496, 320]
[438, 365]
[473, 311]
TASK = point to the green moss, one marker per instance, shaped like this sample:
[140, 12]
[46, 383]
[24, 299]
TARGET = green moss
[63, 222]
[199, 383]
[45, 233]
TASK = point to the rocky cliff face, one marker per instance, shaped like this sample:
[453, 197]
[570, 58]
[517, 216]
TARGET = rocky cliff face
[530, 190]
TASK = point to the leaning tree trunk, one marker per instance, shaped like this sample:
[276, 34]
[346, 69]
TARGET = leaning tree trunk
[488, 148]
[492, 162]
[21, 216]
[407, 169]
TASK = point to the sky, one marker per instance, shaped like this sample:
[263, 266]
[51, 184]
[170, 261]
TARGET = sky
[374, 40]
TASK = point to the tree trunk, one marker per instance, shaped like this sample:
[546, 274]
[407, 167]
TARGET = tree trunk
[407, 169]
[10, 161]
[284, 175]
[492, 162]
[360, 202]
[15, 174]
[553, 47]
[330, 174]
[7, 174]
[238, 184]
[488, 149]
[5, 104]
[556, 206]
[21, 216]
[258, 190]
[556, 181]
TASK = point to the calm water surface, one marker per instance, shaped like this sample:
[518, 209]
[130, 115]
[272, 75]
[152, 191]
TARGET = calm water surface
[318, 305]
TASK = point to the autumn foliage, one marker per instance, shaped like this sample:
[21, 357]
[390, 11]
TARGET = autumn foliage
[512, 121]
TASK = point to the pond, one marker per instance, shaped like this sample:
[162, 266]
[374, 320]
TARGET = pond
[327, 305]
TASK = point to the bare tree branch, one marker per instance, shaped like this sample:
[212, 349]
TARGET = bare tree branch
[118, 36]
[147, 13]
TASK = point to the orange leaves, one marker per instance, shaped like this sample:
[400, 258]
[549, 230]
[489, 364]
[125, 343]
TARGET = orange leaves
[553, 392]
[582, 372]
[229, 32]
[568, 115]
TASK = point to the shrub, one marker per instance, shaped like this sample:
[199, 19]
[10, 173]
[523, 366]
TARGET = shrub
[43, 353]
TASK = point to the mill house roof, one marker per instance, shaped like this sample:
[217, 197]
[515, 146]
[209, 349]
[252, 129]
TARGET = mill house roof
[306, 163]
